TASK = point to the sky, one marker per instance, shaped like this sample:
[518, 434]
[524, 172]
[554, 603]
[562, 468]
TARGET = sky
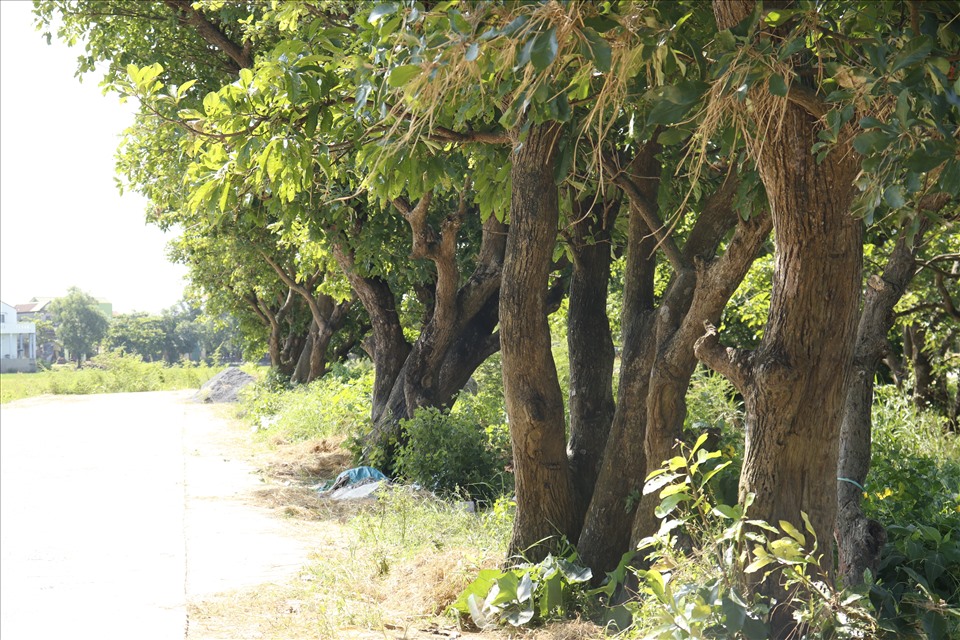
[63, 223]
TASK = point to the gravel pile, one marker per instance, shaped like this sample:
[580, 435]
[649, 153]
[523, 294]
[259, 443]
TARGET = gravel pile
[224, 386]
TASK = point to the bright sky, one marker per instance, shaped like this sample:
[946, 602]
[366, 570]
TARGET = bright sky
[62, 221]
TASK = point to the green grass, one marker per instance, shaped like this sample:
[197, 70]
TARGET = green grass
[108, 373]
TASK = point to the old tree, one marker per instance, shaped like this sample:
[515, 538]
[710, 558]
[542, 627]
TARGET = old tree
[428, 180]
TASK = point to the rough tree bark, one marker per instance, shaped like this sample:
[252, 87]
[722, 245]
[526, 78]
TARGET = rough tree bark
[590, 344]
[696, 295]
[458, 333]
[545, 502]
[390, 347]
[656, 408]
[605, 536]
[795, 383]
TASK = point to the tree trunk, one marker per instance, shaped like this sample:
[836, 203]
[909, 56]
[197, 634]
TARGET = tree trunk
[458, 335]
[390, 347]
[795, 384]
[859, 539]
[545, 502]
[696, 296]
[301, 372]
[606, 528]
[590, 345]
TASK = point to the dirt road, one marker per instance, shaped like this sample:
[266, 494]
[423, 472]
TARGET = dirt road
[117, 510]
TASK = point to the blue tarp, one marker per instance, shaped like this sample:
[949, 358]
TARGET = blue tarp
[355, 476]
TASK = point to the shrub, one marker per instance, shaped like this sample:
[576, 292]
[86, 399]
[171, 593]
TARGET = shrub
[456, 453]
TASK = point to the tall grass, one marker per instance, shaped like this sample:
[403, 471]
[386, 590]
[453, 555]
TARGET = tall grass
[336, 405]
[107, 373]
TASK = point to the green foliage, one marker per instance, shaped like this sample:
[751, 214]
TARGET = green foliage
[337, 404]
[697, 584]
[80, 324]
[914, 490]
[525, 593]
[461, 452]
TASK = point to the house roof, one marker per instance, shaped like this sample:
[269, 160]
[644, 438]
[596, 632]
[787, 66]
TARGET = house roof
[35, 305]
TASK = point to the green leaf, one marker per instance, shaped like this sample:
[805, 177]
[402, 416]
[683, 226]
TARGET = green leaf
[792, 531]
[893, 196]
[403, 74]
[656, 482]
[655, 581]
[755, 629]
[380, 11]
[792, 47]
[457, 22]
[775, 18]
[182, 89]
[734, 613]
[600, 24]
[507, 585]
[544, 49]
[596, 49]
[872, 142]
[950, 178]
[667, 506]
[699, 443]
[518, 617]
[515, 25]
[762, 559]
[472, 53]
[478, 588]
[673, 135]
[525, 588]
[310, 126]
[574, 573]
[935, 625]
[778, 86]
[915, 51]
[726, 511]
[552, 594]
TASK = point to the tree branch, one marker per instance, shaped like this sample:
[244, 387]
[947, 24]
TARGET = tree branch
[211, 33]
[732, 363]
[647, 210]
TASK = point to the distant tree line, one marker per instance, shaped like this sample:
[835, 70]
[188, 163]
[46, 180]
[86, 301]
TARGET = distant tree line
[181, 332]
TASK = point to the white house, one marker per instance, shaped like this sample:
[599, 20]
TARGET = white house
[18, 342]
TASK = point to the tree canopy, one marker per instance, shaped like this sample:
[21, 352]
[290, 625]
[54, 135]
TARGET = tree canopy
[80, 324]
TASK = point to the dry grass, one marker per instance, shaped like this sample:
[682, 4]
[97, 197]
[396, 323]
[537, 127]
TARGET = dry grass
[380, 569]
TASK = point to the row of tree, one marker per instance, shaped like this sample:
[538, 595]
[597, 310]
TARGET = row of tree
[182, 331]
[428, 180]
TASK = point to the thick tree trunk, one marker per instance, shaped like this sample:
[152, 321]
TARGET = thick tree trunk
[458, 335]
[590, 345]
[390, 347]
[545, 502]
[606, 528]
[795, 384]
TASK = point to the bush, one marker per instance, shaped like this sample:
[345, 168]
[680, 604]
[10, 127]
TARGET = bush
[455, 453]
